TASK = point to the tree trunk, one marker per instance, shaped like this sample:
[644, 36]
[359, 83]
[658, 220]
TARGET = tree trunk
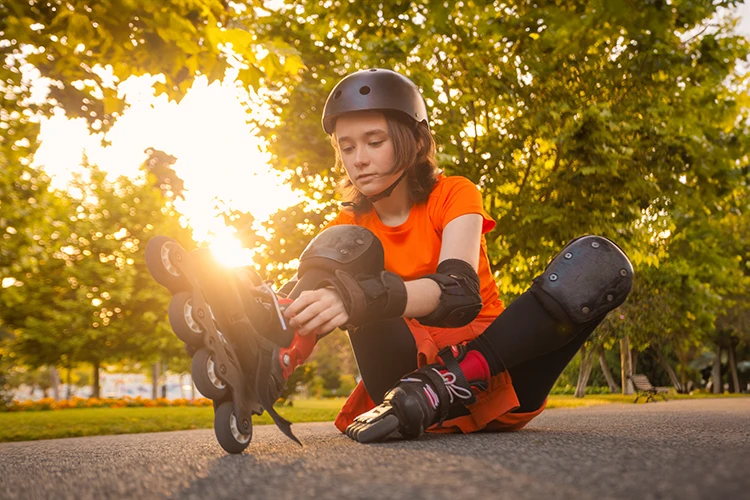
[96, 379]
[716, 372]
[155, 380]
[683, 371]
[626, 368]
[54, 382]
[733, 369]
[164, 379]
[668, 368]
[68, 391]
[606, 371]
[584, 372]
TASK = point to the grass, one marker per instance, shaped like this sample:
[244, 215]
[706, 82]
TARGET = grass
[33, 425]
[603, 399]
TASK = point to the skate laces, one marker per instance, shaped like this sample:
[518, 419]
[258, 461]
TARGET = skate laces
[449, 379]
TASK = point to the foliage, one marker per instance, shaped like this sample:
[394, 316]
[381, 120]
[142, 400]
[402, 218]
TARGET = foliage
[5, 396]
[93, 299]
[573, 118]
[619, 118]
[301, 378]
[84, 49]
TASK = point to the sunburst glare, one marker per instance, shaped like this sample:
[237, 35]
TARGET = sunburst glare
[220, 158]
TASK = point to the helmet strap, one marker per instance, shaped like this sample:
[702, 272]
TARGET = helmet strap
[387, 192]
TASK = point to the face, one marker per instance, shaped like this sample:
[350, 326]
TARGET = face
[366, 151]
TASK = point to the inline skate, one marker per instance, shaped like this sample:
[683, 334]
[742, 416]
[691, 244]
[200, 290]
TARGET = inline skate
[233, 328]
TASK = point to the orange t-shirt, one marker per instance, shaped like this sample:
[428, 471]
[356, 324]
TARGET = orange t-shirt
[412, 249]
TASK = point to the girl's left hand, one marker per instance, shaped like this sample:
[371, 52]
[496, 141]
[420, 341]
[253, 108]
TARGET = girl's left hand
[317, 312]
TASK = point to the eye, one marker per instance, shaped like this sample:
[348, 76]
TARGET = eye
[347, 149]
[375, 144]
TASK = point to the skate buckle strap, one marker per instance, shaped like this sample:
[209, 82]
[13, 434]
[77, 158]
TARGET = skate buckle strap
[455, 380]
[435, 388]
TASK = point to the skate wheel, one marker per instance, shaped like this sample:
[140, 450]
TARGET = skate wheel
[159, 263]
[183, 322]
[227, 431]
[205, 375]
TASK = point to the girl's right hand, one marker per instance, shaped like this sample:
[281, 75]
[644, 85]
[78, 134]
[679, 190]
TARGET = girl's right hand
[317, 312]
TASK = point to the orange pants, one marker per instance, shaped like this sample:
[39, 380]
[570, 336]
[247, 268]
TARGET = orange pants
[492, 410]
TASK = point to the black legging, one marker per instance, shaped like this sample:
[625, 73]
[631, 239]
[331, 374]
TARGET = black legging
[525, 337]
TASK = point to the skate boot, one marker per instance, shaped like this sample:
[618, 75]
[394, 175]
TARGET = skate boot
[420, 400]
[236, 362]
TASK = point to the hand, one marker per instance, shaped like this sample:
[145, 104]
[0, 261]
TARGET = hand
[317, 312]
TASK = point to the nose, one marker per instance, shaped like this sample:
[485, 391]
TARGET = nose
[361, 159]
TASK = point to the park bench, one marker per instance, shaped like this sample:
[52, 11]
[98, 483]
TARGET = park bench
[643, 387]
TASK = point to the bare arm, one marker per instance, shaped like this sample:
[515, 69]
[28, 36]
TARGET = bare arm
[461, 240]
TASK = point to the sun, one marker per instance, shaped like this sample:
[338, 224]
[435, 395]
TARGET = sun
[229, 251]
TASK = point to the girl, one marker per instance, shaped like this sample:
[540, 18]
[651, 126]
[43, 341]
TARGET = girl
[435, 348]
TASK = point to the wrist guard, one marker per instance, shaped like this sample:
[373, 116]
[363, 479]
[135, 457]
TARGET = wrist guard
[369, 298]
[460, 300]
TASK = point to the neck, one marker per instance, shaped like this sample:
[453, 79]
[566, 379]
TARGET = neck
[394, 209]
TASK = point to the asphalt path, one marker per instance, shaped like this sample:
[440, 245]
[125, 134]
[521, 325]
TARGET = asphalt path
[678, 449]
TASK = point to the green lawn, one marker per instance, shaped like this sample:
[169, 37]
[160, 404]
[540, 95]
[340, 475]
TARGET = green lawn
[603, 399]
[32, 425]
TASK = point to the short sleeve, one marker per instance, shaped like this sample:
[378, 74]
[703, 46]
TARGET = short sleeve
[460, 197]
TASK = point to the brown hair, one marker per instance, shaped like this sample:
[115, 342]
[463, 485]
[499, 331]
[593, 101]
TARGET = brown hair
[414, 148]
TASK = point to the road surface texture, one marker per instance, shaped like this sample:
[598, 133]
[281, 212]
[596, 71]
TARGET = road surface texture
[678, 449]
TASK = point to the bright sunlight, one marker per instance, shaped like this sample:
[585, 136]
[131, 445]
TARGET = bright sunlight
[220, 158]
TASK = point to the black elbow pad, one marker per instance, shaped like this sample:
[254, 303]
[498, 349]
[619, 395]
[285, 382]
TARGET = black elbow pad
[460, 300]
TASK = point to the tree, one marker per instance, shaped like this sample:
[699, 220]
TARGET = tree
[87, 48]
[573, 118]
[151, 211]
[576, 117]
[94, 301]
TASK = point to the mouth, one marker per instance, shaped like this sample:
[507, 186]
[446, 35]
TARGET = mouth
[365, 177]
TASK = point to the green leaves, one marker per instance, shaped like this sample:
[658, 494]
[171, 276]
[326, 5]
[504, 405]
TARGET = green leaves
[596, 117]
[177, 39]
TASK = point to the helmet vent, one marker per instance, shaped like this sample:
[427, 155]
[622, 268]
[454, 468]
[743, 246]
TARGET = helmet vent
[364, 90]
[337, 94]
[373, 69]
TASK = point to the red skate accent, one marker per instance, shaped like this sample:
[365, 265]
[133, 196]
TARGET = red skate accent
[298, 351]
[474, 366]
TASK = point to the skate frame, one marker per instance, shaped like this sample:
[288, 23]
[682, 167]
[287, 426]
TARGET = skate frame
[245, 406]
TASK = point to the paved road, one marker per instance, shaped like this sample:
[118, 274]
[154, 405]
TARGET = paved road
[678, 449]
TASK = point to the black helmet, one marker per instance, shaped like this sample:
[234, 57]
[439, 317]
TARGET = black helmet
[374, 89]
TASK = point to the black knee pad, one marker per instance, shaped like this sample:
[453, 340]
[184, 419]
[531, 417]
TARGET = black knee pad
[587, 279]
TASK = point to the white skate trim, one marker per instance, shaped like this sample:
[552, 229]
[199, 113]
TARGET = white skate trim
[432, 396]
[268, 290]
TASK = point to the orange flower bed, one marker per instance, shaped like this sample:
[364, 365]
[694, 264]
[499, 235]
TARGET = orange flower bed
[47, 404]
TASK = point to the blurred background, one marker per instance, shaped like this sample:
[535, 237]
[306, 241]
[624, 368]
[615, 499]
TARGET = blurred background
[201, 120]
